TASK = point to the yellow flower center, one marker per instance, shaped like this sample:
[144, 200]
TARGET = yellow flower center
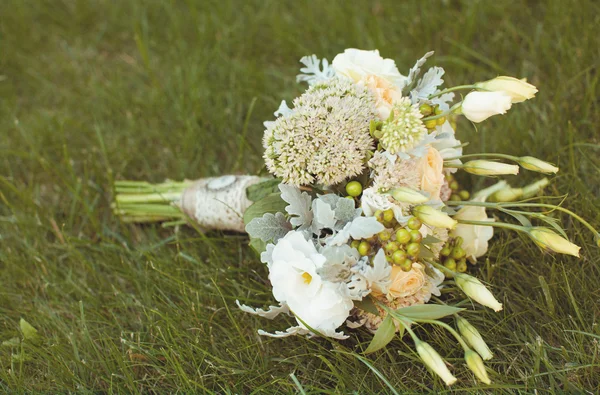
[307, 277]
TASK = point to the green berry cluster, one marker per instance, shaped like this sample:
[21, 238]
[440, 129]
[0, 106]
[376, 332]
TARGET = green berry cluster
[402, 244]
[457, 193]
[427, 110]
[453, 256]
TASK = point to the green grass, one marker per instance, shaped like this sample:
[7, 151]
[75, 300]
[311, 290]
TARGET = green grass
[92, 91]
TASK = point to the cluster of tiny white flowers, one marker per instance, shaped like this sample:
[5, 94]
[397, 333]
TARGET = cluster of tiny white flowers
[326, 137]
[399, 173]
[405, 130]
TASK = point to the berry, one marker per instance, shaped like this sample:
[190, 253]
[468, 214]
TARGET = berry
[440, 121]
[414, 223]
[406, 266]
[464, 195]
[445, 251]
[461, 266]
[355, 244]
[431, 124]
[391, 247]
[415, 236]
[399, 257]
[450, 264]
[354, 188]
[458, 253]
[454, 185]
[425, 109]
[384, 235]
[403, 236]
[413, 249]
[388, 215]
[455, 198]
[364, 248]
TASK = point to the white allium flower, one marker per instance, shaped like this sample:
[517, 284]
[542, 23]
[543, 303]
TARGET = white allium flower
[356, 64]
[325, 139]
[293, 272]
[405, 130]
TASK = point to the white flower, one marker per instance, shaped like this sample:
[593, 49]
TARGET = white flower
[519, 90]
[548, 240]
[448, 145]
[293, 272]
[475, 237]
[385, 93]
[479, 106]
[371, 201]
[356, 64]
[434, 361]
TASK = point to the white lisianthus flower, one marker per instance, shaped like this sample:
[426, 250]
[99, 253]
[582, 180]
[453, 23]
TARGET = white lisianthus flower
[519, 90]
[479, 106]
[475, 237]
[356, 64]
[448, 145]
[371, 201]
[293, 272]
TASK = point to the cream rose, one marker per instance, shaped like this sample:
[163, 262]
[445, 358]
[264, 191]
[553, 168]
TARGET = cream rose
[431, 170]
[406, 284]
[475, 237]
[356, 64]
[386, 94]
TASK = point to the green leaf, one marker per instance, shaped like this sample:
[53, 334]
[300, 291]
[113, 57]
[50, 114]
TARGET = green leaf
[367, 305]
[384, 335]
[272, 203]
[260, 190]
[427, 311]
[29, 332]
[426, 253]
[13, 342]
[258, 245]
[429, 239]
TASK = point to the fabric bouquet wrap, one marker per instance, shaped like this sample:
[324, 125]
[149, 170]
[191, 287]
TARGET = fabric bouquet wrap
[362, 221]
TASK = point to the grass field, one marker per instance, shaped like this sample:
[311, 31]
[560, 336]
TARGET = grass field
[92, 91]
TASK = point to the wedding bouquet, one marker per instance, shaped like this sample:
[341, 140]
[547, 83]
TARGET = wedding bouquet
[363, 221]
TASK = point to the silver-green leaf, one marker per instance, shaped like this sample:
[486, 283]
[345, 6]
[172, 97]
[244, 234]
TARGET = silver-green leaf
[269, 227]
[384, 334]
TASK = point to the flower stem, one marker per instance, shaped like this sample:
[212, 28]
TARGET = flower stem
[494, 224]
[454, 88]
[445, 113]
[449, 329]
[488, 155]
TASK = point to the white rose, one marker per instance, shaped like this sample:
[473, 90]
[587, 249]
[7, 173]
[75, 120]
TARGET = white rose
[479, 106]
[356, 64]
[475, 237]
[322, 305]
[371, 201]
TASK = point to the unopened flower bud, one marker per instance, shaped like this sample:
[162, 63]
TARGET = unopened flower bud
[489, 168]
[479, 106]
[549, 240]
[535, 164]
[519, 90]
[473, 337]
[434, 361]
[477, 291]
[407, 195]
[534, 188]
[507, 195]
[433, 217]
[476, 365]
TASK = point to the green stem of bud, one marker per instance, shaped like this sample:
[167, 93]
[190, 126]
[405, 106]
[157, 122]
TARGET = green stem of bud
[453, 89]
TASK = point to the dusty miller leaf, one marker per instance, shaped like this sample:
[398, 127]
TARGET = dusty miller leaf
[428, 84]
[345, 210]
[269, 227]
[299, 204]
[416, 69]
[324, 216]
